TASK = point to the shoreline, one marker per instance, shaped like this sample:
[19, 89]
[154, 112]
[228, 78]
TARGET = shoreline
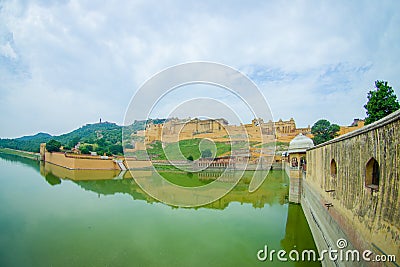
[21, 153]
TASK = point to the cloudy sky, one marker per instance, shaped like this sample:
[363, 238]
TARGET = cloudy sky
[67, 63]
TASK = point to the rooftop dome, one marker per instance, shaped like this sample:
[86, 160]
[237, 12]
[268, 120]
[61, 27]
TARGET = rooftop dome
[300, 143]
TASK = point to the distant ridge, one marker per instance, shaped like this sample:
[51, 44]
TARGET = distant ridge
[42, 136]
[109, 131]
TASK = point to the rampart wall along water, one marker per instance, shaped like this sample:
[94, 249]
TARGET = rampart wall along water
[79, 163]
[351, 190]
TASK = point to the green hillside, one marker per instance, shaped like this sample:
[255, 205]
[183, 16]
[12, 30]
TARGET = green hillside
[103, 138]
[26, 143]
[105, 135]
[106, 138]
[191, 147]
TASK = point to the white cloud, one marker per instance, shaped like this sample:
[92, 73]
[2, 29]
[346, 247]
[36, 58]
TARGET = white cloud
[310, 59]
[7, 51]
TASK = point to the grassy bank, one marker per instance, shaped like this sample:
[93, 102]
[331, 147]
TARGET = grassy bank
[189, 147]
[24, 154]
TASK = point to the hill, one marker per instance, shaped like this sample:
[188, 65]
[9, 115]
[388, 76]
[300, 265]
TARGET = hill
[105, 137]
[27, 143]
[38, 136]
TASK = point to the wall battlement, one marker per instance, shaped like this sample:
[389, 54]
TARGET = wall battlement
[176, 129]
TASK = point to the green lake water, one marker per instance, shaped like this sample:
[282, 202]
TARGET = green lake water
[50, 216]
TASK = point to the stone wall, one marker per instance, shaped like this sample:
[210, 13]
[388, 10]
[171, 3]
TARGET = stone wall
[73, 163]
[138, 164]
[357, 124]
[295, 187]
[218, 130]
[340, 197]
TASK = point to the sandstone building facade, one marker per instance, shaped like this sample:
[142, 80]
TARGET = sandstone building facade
[219, 130]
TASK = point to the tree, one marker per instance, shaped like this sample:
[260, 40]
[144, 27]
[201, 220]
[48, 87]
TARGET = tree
[206, 153]
[323, 131]
[190, 158]
[52, 179]
[100, 151]
[101, 142]
[116, 149]
[74, 141]
[381, 102]
[85, 150]
[53, 146]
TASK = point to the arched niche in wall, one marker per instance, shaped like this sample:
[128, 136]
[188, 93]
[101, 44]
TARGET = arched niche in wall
[303, 163]
[294, 162]
[372, 174]
[333, 168]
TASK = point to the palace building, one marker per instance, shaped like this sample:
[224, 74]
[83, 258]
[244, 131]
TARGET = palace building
[173, 130]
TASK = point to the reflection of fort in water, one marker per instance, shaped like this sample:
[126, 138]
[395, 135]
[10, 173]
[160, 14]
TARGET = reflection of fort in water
[271, 197]
[109, 182]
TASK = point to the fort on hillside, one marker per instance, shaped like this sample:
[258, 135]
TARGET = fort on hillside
[348, 187]
[261, 135]
[176, 129]
[219, 130]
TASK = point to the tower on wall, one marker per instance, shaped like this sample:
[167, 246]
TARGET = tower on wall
[297, 164]
[42, 151]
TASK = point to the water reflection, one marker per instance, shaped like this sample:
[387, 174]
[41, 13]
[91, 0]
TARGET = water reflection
[295, 239]
[109, 182]
[20, 160]
[231, 237]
